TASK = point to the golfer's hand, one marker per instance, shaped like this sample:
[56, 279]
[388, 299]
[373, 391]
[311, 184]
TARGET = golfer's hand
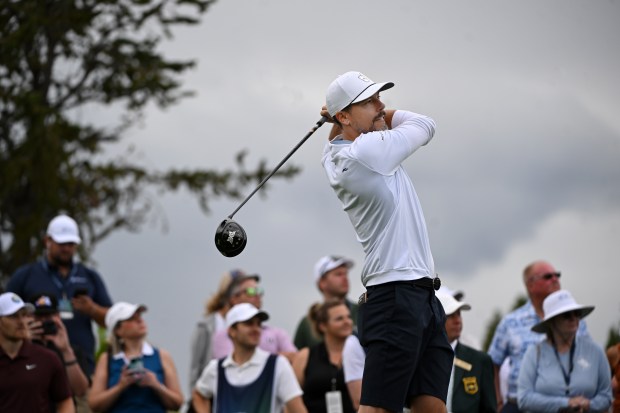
[325, 113]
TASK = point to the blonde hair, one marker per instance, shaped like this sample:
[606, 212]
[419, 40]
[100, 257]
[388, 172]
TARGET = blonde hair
[219, 300]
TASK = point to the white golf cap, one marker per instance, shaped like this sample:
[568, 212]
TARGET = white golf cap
[120, 311]
[450, 304]
[328, 263]
[244, 312]
[557, 303]
[10, 303]
[64, 229]
[351, 87]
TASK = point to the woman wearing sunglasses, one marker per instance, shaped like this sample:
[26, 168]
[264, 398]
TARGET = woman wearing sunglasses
[133, 376]
[273, 340]
[564, 372]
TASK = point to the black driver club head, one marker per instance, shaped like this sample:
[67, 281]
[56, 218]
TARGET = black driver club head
[230, 238]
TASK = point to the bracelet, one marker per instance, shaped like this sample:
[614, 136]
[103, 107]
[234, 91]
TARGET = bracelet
[71, 362]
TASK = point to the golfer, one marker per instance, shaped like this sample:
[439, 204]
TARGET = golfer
[401, 323]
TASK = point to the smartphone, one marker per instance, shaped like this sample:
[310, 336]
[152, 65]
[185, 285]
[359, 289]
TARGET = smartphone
[49, 327]
[80, 291]
[136, 365]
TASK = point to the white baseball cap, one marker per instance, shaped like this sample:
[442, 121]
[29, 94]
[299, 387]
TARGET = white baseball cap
[121, 311]
[10, 303]
[450, 304]
[557, 303]
[244, 312]
[328, 263]
[351, 87]
[64, 229]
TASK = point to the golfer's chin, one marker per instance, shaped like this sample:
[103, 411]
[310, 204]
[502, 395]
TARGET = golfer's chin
[379, 125]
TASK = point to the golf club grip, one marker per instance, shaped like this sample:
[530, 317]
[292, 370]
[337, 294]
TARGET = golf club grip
[278, 166]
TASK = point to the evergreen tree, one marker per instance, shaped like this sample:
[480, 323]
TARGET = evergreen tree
[58, 56]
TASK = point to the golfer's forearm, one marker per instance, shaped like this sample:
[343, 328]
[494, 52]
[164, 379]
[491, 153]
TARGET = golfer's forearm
[389, 114]
[336, 130]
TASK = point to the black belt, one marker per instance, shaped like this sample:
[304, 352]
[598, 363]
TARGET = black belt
[424, 282]
[430, 283]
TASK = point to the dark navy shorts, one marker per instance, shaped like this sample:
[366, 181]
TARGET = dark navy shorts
[402, 329]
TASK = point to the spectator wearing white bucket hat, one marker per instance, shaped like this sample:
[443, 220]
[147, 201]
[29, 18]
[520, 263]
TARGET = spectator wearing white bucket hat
[133, 376]
[565, 372]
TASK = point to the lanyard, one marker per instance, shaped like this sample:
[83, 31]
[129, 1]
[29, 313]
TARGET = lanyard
[60, 284]
[570, 363]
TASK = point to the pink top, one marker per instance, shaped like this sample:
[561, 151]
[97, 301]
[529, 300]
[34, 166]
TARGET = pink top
[272, 339]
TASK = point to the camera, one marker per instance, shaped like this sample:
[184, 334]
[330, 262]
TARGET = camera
[49, 327]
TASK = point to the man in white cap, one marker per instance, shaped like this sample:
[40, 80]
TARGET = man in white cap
[249, 379]
[472, 383]
[81, 294]
[401, 323]
[275, 340]
[32, 378]
[331, 276]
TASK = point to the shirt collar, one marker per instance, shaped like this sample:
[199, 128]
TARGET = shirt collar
[24, 351]
[256, 359]
[147, 350]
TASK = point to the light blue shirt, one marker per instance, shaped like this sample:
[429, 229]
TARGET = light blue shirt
[513, 336]
[542, 387]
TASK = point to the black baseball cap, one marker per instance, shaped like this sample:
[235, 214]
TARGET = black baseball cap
[44, 303]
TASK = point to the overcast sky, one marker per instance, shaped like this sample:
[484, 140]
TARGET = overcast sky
[524, 165]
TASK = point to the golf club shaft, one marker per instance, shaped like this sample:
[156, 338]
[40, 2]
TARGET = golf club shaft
[301, 142]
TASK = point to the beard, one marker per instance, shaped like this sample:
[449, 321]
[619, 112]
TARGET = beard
[378, 124]
[61, 260]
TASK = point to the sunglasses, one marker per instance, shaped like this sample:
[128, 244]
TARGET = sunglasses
[253, 291]
[548, 276]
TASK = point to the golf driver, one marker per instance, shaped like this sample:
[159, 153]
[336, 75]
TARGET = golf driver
[230, 237]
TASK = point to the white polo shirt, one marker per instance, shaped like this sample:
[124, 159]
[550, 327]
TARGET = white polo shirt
[353, 359]
[376, 192]
[285, 386]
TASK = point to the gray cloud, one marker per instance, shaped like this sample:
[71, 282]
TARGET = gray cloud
[525, 95]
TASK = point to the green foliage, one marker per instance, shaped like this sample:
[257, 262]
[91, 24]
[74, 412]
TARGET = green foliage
[496, 318]
[614, 336]
[58, 56]
[490, 329]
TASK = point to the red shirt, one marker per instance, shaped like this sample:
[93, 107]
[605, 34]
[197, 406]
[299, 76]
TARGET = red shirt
[34, 381]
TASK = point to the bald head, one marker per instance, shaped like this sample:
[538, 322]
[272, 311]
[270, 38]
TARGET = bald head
[540, 279]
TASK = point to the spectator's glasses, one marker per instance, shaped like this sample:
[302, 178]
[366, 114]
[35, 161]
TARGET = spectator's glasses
[548, 276]
[253, 291]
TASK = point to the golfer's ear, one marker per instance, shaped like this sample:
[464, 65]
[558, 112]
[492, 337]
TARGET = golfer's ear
[343, 118]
